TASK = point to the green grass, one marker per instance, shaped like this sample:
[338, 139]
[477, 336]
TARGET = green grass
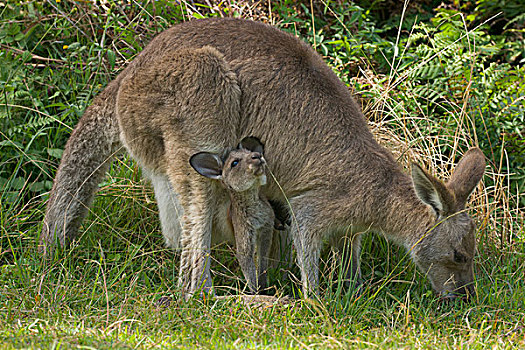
[103, 291]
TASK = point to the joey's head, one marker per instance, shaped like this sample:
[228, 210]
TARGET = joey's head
[240, 170]
[446, 252]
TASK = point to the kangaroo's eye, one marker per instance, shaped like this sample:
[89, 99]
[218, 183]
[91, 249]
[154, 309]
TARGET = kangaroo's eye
[234, 163]
[459, 258]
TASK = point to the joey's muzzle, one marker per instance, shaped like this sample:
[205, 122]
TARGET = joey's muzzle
[256, 163]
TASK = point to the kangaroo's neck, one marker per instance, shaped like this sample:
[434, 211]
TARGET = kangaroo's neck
[404, 218]
[244, 202]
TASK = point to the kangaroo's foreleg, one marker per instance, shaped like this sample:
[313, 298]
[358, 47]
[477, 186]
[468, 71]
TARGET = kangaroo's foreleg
[264, 246]
[347, 247]
[245, 245]
[308, 230]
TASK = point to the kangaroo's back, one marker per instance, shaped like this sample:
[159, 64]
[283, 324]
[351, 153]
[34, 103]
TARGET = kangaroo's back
[290, 99]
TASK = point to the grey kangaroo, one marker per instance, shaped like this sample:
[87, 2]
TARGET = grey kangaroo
[242, 173]
[202, 85]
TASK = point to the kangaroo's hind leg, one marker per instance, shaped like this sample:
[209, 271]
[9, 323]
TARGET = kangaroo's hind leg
[197, 199]
[186, 101]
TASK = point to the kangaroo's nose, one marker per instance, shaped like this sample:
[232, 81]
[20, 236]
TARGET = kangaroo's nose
[464, 293]
[257, 158]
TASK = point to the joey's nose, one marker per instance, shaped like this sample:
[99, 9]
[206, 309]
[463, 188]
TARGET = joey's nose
[256, 158]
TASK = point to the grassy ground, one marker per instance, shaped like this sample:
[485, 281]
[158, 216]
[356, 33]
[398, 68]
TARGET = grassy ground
[104, 291]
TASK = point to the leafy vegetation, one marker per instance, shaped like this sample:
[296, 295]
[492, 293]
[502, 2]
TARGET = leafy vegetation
[433, 78]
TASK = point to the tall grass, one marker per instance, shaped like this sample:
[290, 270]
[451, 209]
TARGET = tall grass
[104, 291]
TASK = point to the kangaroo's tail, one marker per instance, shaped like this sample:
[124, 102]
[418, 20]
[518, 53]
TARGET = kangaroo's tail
[86, 158]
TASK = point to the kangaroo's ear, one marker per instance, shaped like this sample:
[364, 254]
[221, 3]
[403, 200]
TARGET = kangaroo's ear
[251, 144]
[433, 192]
[467, 175]
[207, 164]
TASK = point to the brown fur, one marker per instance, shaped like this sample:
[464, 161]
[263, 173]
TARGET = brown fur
[202, 85]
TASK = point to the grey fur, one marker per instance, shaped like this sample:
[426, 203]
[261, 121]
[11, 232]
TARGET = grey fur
[252, 217]
[202, 85]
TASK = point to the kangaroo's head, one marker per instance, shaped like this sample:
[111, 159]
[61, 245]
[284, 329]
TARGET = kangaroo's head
[446, 252]
[240, 170]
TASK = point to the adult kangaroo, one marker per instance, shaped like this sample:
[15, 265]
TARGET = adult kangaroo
[202, 86]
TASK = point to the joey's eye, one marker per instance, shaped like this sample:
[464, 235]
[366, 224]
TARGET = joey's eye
[234, 163]
[459, 258]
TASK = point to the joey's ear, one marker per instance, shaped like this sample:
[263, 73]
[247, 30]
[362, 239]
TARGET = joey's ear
[207, 164]
[433, 192]
[467, 175]
[252, 144]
